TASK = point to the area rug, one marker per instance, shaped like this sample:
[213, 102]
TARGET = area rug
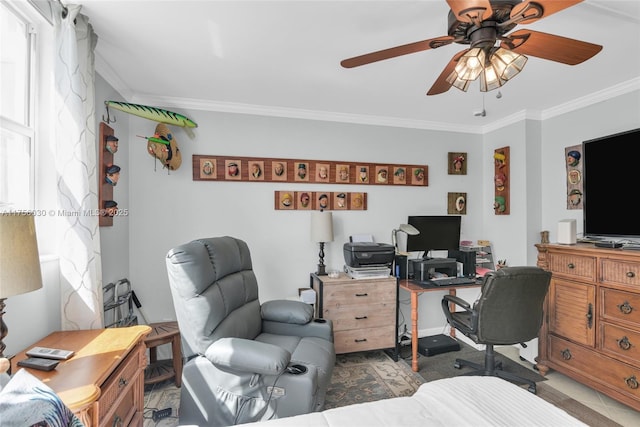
[357, 377]
[370, 376]
[441, 365]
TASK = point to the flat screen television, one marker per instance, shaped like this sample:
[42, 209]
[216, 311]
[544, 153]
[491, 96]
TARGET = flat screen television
[437, 233]
[610, 185]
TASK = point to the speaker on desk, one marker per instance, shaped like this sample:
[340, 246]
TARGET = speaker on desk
[468, 260]
[567, 232]
[402, 266]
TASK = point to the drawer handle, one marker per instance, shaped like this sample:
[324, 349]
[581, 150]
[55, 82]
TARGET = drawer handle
[624, 343]
[631, 382]
[117, 421]
[631, 274]
[360, 340]
[571, 265]
[590, 316]
[566, 354]
[625, 308]
[360, 317]
[123, 382]
[362, 295]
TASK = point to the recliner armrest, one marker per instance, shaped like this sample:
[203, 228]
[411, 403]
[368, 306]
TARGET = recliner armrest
[321, 328]
[287, 311]
[245, 355]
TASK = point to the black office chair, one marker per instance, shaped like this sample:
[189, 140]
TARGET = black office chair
[508, 311]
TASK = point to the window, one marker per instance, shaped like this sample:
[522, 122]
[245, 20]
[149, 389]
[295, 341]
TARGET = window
[17, 133]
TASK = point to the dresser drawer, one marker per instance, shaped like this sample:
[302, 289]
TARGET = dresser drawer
[364, 339]
[573, 266]
[619, 376]
[338, 295]
[119, 383]
[621, 343]
[616, 271]
[620, 306]
[360, 316]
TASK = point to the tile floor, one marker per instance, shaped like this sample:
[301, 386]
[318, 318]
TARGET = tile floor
[608, 407]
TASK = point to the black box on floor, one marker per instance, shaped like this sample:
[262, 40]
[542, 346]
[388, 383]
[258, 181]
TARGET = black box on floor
[437, 344]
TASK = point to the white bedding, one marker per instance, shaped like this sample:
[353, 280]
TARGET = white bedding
[459, 401]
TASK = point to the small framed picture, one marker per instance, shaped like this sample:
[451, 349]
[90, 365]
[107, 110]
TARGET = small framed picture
[417, 176]
[284, 200]
[362, 176]
[340, 201]
[233, 170]
[322, 201]
[457, 203]
[256, 170]
[302, 171]
[382, 174]
[208, 168]
[342, 173]
[357, 201]
[399, 175]
[279, 170]
[322, 172]
[303, 200]
[457, 164]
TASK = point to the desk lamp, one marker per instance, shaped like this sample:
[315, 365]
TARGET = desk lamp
[405, 228]
[19, 261]
[321, 232]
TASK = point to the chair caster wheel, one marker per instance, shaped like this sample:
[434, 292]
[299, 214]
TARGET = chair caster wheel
[457, 365]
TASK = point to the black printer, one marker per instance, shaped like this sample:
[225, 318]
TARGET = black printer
[368, 254]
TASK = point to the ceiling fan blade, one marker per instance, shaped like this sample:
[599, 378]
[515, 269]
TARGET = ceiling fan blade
[396, 51]
[474, 11]
[550, 46]
[531, 13]
[441, 84]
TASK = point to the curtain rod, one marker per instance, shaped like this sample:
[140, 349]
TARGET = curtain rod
[65, 11]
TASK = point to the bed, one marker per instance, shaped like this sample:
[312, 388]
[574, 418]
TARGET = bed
[459, 401]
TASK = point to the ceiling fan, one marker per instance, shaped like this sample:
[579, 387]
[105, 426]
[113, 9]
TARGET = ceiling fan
[493, 55]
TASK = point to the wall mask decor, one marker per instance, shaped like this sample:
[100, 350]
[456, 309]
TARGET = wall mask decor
[260, 169]
[501, 201]
[573, 156]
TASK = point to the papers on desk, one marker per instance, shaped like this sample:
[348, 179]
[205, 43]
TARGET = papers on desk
[373, 272]
[481, 271]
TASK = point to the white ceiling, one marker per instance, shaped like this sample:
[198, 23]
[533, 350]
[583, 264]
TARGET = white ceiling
[283, 58]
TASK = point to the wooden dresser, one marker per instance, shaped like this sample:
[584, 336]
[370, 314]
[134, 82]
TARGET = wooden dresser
[363, 311]
[591, 330]
[103, 383]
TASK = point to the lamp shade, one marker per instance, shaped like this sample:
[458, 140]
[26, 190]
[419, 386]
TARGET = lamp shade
[409, 229]
[19, 259]
[321, 226]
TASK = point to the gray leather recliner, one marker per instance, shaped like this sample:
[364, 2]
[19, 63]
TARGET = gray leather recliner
[245, 361]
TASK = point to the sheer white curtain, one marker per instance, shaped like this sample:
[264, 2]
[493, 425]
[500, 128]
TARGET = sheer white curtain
[74, 146]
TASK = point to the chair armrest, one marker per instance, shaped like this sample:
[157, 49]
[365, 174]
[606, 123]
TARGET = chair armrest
[244, 355]
[457, 301]
[287, 311]
[465, 328]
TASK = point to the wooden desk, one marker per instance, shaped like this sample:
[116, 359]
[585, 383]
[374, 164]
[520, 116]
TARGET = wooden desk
[415, 291]
[103, 382]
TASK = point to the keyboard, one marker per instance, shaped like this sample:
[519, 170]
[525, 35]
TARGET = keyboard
[447, 281]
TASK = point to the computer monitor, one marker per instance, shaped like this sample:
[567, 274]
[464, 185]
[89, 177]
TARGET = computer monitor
[437, 233]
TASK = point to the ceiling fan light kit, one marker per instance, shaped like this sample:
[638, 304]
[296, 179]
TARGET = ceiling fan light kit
[494, 56]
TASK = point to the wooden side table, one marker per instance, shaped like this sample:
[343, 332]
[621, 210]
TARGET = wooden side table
[103, 382]
[160, 370]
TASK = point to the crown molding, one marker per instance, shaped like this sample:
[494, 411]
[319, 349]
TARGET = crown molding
[296, 113]
[106, 72]
[593, 98]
